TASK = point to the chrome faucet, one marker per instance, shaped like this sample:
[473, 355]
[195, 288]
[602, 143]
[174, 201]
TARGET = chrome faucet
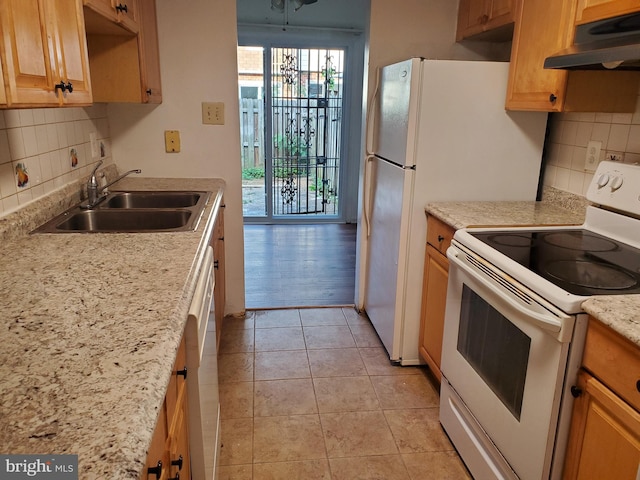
[96, 194]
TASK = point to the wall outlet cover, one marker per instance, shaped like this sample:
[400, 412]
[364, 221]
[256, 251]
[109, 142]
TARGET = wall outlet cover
[593, 156]
[172, 141]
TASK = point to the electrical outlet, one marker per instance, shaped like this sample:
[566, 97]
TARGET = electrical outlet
[614, 156]
[593, 156]
[213, 113]
[172, 141]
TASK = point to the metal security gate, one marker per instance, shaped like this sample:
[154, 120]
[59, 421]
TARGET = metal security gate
[303, 136]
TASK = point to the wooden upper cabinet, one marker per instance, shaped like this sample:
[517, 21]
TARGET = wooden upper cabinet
[486, 19]
[71, 49]
[106, 14]
[44, 51]
[542, 29]
[592, 10]
[3, 94]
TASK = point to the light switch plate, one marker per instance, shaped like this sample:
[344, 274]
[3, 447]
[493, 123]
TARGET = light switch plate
[213, 113]
[172, 141]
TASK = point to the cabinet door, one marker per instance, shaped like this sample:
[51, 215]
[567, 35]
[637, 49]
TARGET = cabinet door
[434, 297]
[542, 28]
[149, 52]
[219, 288]
[482, 16]
[71, 60]
[127, 14]
[3, 93]
[27, 53]
[158, 455]
[121, 12]
[592, 10]
[604, 440]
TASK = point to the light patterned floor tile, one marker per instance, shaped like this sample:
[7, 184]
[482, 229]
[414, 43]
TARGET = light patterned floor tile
[282, 364]
[284, 338]
[365, 336]
[236, 400]
[237, 441]
[328, 337]
[418, 430]
[322, 316]
[277, 318]
[435, 466]
[306, 470]
[235, 367]
[345, 394]
[384, 467]
[235, 472]
[404, 391]
[237, 341]
[357, 434]
[284, 397]
[287, 438]
[336, 362]
[377, 362]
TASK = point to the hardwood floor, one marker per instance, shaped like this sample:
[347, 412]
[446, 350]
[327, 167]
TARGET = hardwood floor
[299, 265]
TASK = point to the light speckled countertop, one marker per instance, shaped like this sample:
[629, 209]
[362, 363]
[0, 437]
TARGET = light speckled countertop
[90, 326]
[620, 312]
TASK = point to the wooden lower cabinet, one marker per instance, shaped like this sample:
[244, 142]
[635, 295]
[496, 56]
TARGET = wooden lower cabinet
[434, 293]
[168, 456]
[219, 273]
[604, 440]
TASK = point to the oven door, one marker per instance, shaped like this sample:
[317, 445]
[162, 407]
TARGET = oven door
[503, 361]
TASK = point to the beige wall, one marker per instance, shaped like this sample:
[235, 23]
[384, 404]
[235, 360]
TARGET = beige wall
[198, 63]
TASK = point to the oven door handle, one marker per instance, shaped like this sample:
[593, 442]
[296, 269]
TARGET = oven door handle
[550, 323]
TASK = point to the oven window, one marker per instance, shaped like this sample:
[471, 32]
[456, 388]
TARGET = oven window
[496, 349]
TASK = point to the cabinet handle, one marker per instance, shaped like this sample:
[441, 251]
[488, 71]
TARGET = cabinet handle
[440, 238]
[178, 462]
[121, 8]
[60, 86]
[638, 385]
[69, 87]
[182, 372]
[177, 477]
[552, 98]
[216, 264]
[157, 470]
[575, 391]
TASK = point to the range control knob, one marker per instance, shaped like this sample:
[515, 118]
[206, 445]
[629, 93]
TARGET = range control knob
[603, 179]
[616, 183]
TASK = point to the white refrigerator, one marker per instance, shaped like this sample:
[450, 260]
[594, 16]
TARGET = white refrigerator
[441, 133]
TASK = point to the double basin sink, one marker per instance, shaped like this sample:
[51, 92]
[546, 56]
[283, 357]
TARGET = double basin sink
[132, 212]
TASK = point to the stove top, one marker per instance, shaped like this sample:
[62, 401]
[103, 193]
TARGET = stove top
[578, 261]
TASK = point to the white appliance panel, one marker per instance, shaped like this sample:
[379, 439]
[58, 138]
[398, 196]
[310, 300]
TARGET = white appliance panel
[397, 111]
[464, 146]
[383, 279]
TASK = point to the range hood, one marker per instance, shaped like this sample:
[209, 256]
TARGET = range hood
[605, 44]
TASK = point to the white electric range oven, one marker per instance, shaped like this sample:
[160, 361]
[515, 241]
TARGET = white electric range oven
[514, 327]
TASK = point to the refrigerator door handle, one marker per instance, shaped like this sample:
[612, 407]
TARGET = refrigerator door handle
[366, 209]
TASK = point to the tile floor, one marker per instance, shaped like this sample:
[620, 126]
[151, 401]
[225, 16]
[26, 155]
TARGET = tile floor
[310, 394]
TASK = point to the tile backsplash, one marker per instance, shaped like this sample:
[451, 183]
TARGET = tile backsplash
[43, 149]
[567, 147]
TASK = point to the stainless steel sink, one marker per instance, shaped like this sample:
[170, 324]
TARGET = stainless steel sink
[132, 212]
[124, 220]
[153, 199]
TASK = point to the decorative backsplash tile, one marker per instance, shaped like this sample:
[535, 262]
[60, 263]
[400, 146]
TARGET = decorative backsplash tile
[570, 134]
[43, 149]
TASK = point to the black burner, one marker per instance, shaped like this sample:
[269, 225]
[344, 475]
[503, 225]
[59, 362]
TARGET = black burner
[576, 260]
[591, 274]
[584, 242]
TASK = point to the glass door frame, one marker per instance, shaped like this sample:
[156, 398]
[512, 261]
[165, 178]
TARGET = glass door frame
[350, 42]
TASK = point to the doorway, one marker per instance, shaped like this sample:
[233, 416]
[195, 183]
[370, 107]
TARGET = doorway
[291, 111]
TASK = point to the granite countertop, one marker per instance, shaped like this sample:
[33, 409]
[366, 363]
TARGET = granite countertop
[620, 312]
[90, 327]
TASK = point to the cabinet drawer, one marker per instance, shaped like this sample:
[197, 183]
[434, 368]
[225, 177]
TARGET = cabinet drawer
[614, 360]
[439, 234]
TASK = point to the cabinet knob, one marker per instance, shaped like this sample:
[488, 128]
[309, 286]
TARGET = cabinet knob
[121, 8]
[148, 91]
[177, 477]
[638, 385]
[157, 470]
[182, 372]
[552, 98]
[216, 264]
[69, 87]
[484, 19]
[440, 238]
[575, 391]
